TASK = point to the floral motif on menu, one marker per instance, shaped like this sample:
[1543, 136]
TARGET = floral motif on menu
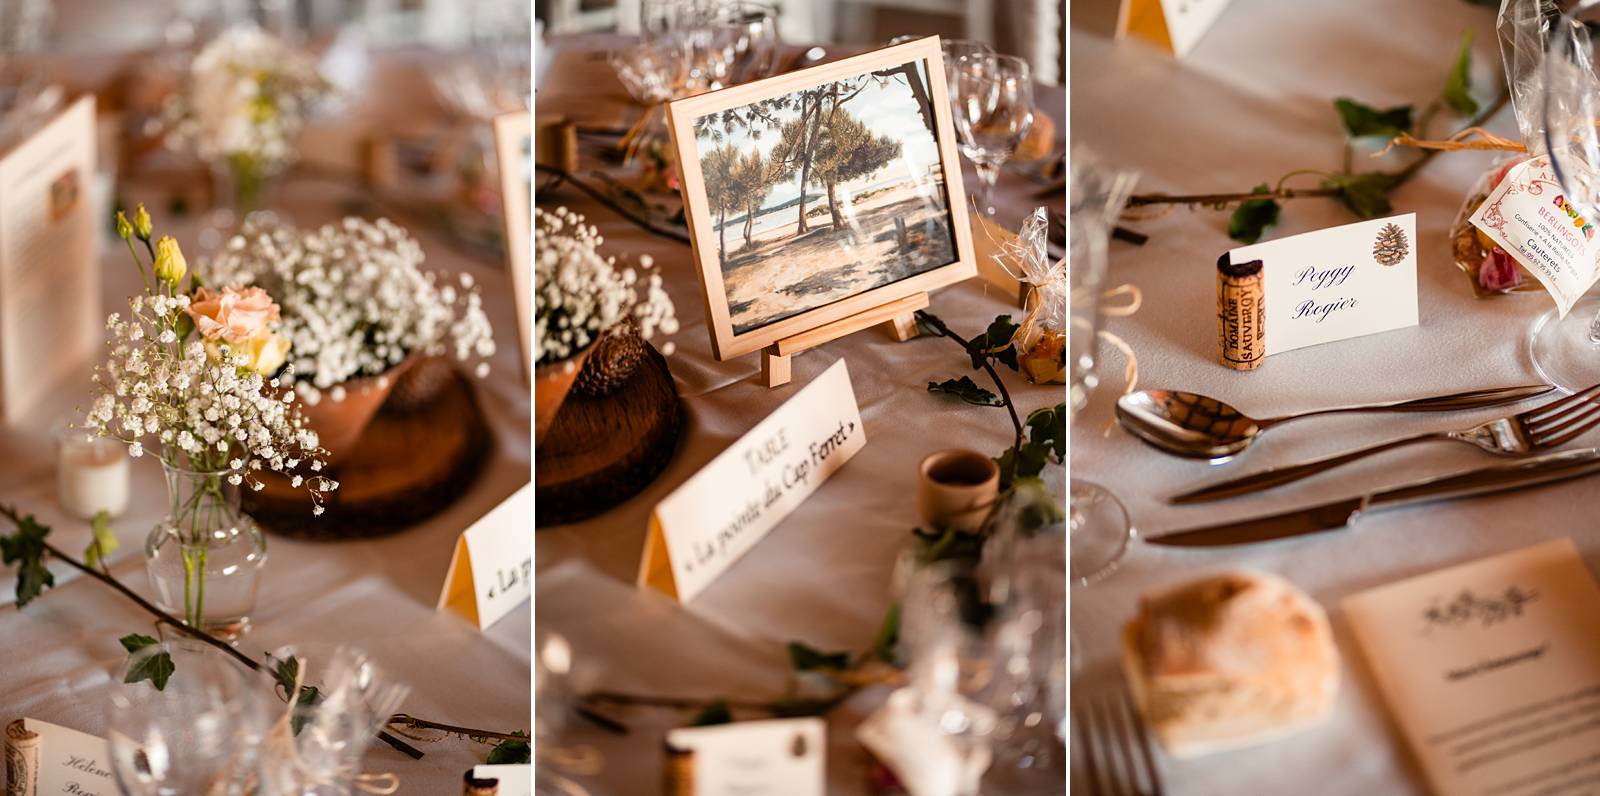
[1469, 607]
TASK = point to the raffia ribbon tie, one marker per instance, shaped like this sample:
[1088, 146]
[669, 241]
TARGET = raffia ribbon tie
[281, 737]
[1134, 299]
[634, 139]
[1457, 142]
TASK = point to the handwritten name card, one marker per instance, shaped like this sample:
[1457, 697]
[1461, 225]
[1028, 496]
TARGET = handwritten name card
[1337, 283]
[491, 570]
[722, 511]
[43, 759]
[1492, 669]
[781, 757]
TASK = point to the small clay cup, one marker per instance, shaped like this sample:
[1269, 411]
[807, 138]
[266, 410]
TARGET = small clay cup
[957, 488]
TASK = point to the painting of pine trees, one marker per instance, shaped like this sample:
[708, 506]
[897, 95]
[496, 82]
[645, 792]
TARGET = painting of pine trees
[824, 193]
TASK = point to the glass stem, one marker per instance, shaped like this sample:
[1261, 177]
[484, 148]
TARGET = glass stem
[1594, 329]
[987, 172]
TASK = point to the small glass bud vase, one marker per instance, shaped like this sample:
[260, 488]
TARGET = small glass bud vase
[205, 557]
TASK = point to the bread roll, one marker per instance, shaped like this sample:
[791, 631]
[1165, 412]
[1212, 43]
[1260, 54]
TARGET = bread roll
[1229, 660]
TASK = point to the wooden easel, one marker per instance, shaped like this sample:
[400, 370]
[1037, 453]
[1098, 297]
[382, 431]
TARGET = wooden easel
[896, 316]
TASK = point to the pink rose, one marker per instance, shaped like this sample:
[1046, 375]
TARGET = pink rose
[1499, 272]
[233, 314]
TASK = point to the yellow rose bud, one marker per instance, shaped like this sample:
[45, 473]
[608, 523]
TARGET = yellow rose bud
[264, 353]
[141, 222]
[124, 229]
[170, 265]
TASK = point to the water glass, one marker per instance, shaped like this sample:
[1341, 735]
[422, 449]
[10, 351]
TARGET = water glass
[993, 103]
[202, 732]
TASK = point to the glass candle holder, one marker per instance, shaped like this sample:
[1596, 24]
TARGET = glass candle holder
[91, 474]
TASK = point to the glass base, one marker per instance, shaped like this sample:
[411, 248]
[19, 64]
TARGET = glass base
[1099, 532]
[1563, 352]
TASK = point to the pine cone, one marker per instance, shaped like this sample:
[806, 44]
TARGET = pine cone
[615, 357]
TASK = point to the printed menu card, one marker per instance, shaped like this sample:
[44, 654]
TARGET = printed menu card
[1492, 669]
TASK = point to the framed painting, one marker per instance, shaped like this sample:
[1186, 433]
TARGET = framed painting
[822, 194]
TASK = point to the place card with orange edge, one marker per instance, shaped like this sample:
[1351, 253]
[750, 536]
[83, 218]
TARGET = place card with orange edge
[491, 570]
[720, 513]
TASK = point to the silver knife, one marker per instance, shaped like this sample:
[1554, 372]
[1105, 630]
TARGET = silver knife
[1337, 514]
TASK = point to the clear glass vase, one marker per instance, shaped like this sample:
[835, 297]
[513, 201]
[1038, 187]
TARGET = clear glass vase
[205, 557]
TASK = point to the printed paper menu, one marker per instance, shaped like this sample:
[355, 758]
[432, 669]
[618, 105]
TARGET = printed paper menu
[1492, 670]
[1529, 217]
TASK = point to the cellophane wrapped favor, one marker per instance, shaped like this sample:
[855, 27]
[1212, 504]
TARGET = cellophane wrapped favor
[1041, 341]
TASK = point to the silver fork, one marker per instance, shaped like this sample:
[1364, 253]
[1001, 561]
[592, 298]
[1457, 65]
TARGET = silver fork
[1113, 751]
[1539, 428]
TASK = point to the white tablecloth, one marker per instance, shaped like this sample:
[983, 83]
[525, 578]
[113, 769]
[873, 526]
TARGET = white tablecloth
[1252, 102]
[822, 576]
[58, 655]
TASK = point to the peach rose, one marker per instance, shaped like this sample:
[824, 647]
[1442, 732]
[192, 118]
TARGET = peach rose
[233, 314]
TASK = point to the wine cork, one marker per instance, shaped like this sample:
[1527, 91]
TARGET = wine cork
[1241, 314]
[678, 779]
[472, 786]
[22, 760]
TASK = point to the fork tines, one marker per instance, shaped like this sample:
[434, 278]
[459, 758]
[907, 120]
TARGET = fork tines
[1113, 750]
[1563, 419]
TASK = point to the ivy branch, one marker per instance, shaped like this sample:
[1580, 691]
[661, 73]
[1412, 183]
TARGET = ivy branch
[1366, 194]
[28, 547]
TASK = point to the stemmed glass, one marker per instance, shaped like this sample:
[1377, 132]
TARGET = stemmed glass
[1099, 524]
[751, 51]
[993, 101]
[201, 733]
[1566, 350]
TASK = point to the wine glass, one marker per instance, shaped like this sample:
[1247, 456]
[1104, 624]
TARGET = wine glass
[201, 732]
[752, 44]
[954, 50]
[1566, 350]
[1099, 526]
[993, 101]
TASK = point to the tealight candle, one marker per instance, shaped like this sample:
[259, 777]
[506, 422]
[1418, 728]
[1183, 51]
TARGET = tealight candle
[91, 474]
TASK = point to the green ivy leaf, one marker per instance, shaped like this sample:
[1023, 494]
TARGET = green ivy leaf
[804, 658]
[1364, 120]
[1457, 87]
[995, 343]
[1047, 426]
[103, 543]
[1252, 218]
[715, 713]
[25, 547]
[156, 668]
[1025, 462]
[286, 672]
[883, 647]
[967, 390]
[948, 545]
[511, 752]
[1367, 195]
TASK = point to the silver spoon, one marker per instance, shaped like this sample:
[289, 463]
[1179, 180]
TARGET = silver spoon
[1199, 427]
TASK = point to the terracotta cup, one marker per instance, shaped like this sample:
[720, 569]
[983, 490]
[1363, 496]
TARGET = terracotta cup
[339, 424]
[957, 488]
[551, 383]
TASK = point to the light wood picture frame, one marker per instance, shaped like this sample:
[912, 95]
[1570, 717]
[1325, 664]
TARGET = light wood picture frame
[513, 142]
[927, 270]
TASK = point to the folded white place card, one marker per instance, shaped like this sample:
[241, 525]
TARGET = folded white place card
[722, 511]
[1172, 25]
[780, 757]
[510, 780]
[49, 262]
[1529, 217]
[1337, 283]
[43, 759]
[1492, 669]
[491, 570]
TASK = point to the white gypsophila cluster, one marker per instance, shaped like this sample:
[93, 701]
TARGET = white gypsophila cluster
[195, 409]
[247, 96]
[580, 293]
[355, 300]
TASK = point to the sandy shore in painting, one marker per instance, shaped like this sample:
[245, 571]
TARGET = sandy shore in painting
[782, 275]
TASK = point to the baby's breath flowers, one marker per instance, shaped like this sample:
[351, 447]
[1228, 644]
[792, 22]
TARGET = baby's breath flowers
[579, 293]
[246, 100]
[191, 377]
[355, 300]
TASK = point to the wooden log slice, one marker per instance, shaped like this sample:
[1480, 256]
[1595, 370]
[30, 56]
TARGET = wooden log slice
[416, 457]
[598, 452]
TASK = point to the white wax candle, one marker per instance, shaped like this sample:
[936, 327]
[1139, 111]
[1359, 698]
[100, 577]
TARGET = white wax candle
[91, 475]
